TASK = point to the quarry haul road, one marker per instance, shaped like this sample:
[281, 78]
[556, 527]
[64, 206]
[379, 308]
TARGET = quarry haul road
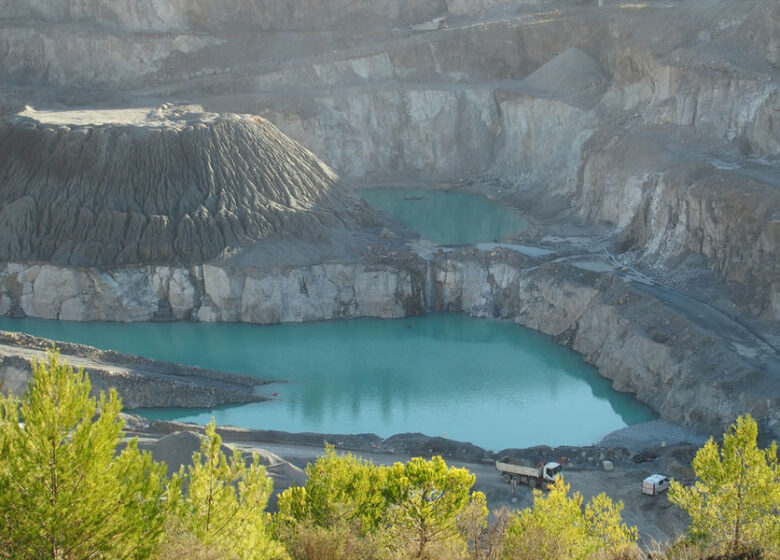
[656, 518]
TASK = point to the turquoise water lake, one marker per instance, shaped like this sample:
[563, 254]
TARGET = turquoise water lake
[447, 218]
[492, 383]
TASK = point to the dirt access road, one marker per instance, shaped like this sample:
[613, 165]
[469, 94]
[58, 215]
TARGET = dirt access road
[656, 518]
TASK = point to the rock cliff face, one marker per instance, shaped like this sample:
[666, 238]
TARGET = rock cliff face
[675, 205]
[448, 133]
[209, 293]
[174, 187]
[650, 341]
[178, 15]
[34, 55]
[643, 337]
[441, 106]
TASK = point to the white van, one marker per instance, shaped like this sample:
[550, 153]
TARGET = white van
[655, 484]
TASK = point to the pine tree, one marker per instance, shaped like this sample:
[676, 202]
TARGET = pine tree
[64, 491]
[557, 526]
[337, 514]
[420, 509]
[339, 489]
[424, 500]
[223, 504]
[735, 503]
[604, 524]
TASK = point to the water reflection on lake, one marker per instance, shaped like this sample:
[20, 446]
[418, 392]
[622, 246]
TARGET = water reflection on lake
[492, 383]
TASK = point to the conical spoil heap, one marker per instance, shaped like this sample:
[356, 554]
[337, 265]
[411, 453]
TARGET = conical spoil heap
[170, 186]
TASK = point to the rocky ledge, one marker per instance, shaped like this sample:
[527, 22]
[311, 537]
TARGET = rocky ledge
[141, 383]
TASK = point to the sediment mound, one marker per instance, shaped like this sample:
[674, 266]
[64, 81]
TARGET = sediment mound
[572, 75]
[176, 449]
[160, 186]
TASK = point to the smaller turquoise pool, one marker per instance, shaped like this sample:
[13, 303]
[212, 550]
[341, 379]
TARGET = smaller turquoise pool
[447, 218]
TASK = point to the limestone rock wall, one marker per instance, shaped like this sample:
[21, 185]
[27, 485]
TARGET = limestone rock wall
[403, 132]
[179, 15]
[208, 293]
[668, 205]
[443, 133]
[468, 54]
[645, 347]
[718, 102]
[544, 137]
[55, 55]
[725, 107]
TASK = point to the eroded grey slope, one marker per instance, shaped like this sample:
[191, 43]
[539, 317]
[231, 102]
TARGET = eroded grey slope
[170, 187]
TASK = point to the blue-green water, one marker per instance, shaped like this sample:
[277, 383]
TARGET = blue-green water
[492, 383]
[451, 218]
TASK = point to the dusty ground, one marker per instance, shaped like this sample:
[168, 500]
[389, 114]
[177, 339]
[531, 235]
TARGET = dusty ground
[656, 518]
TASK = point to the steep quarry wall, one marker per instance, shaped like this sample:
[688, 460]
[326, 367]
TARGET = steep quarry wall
[626, 330]
[209, 293]
[643, 345]
[709, 96]
[445, 105]
[62, 55]
[179, 15]
[674, 202]
[448, 133]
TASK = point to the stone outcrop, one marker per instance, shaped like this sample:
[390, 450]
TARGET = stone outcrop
[140, 383]
[674, 203]
[172, 187]
[51, 55]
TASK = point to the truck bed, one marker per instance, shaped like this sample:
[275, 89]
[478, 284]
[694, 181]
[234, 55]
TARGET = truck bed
[517, 466]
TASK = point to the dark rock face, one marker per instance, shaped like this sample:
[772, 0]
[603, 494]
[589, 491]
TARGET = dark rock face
[181, 188]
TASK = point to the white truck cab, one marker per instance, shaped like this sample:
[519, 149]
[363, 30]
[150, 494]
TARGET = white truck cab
[551, 471]
[655, 484]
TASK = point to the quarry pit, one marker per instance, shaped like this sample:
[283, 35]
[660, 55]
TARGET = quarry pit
[203, 161]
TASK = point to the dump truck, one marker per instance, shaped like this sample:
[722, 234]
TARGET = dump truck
[526, 472]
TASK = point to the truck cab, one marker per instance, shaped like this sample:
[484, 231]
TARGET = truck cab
[551, 471]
